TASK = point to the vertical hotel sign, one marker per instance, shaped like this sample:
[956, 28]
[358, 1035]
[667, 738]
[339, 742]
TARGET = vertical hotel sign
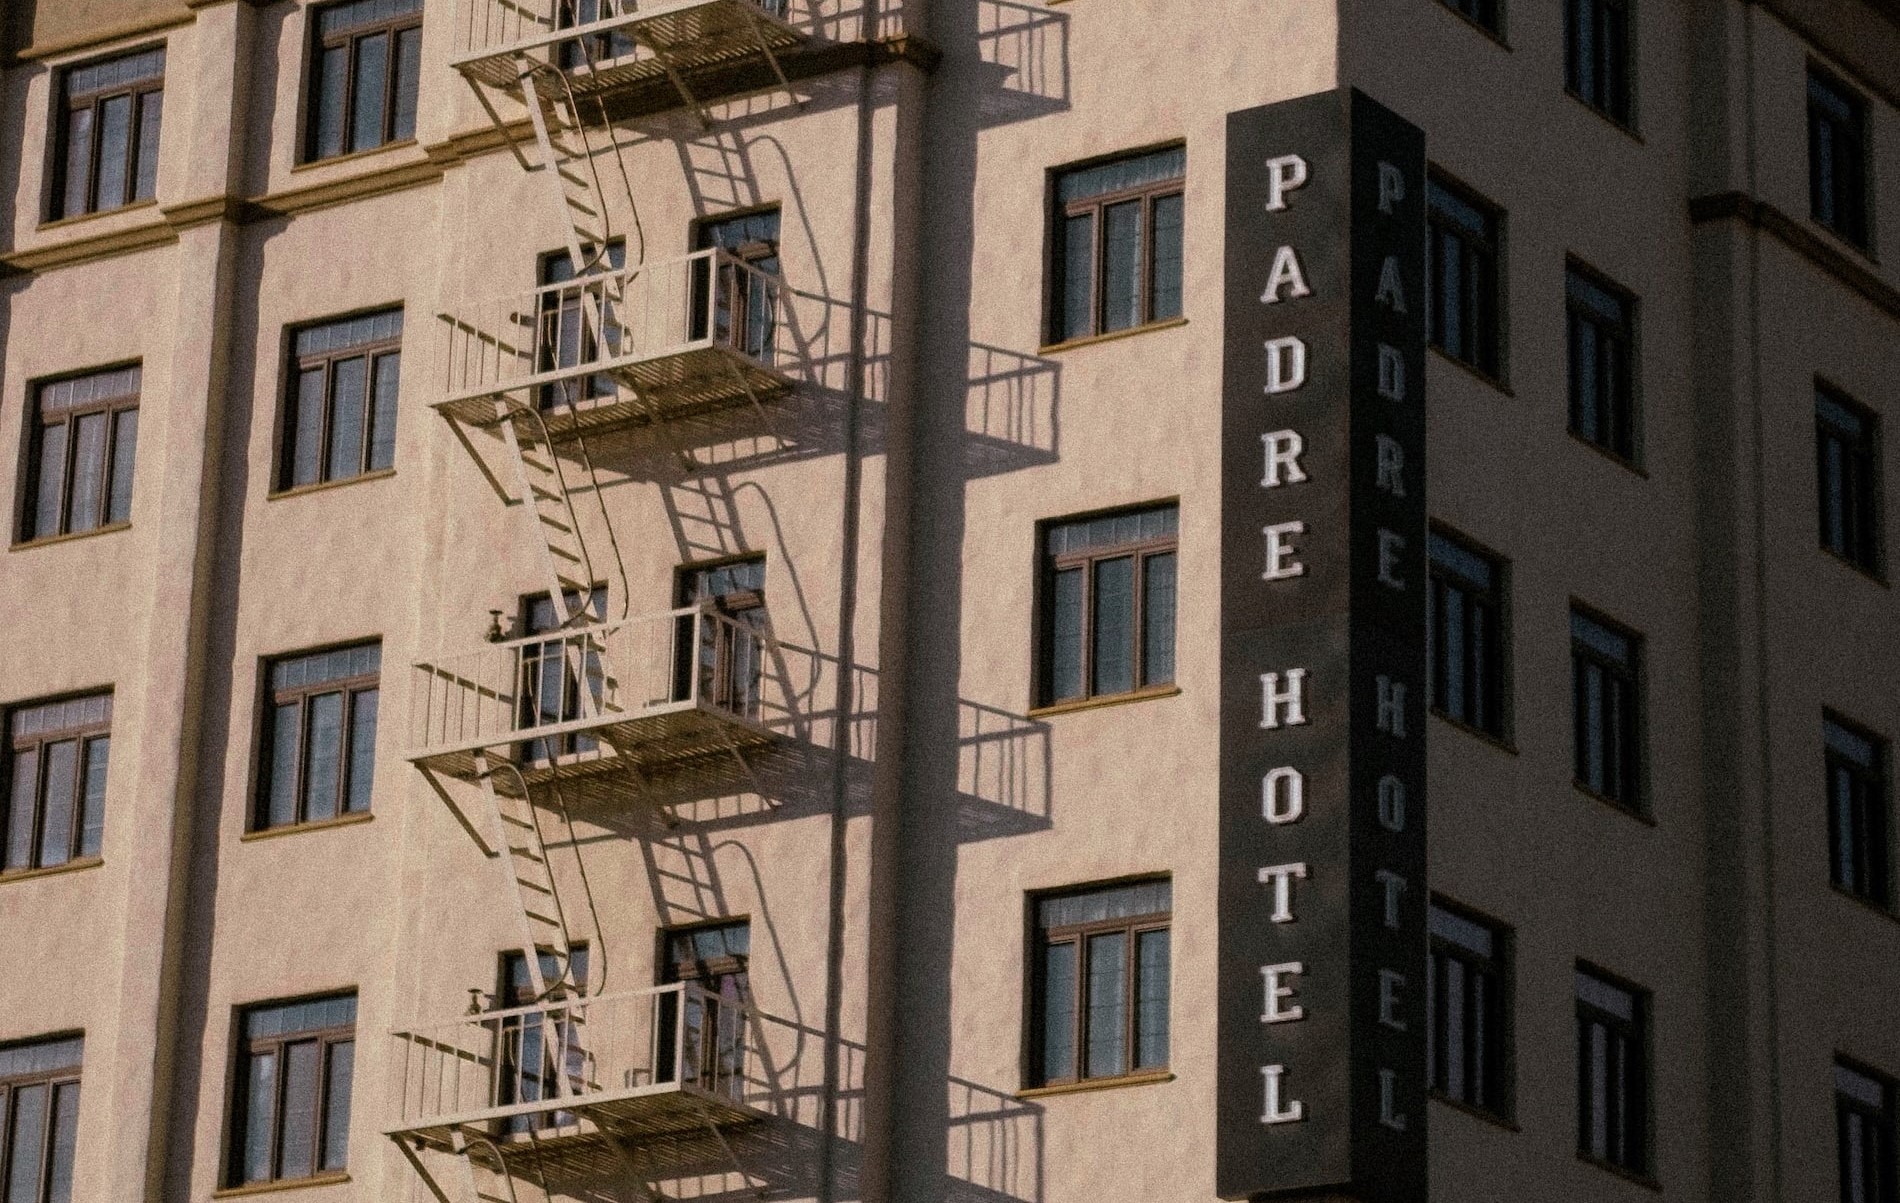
[1322, 825]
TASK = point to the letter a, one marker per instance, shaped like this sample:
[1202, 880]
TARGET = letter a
[1391, 288]
[1285, 274]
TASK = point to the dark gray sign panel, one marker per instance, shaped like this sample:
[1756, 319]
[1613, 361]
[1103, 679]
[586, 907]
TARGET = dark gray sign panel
[1323, 591]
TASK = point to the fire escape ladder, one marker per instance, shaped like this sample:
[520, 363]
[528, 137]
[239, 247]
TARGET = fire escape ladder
[524, 853]
[567, 159]
[545, 500]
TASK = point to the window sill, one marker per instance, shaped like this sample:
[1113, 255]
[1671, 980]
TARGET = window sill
[1478, 1113]
[64, 223]
[1622, 808]
[324, 486]
[1493, 34]
[1624, 462]
[1495, 382]
[1631, 1176]
[1089, 1084]
[1479, 733]
[1866, 904]
[351, 157]
[1114, 699]
[1610, 119]
[267, 1188]
[71, 866]
[1856, 567]
[348, 820]
[48, 540]
[1173, 323]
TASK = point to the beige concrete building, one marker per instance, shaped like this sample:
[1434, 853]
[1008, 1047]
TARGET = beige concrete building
[620, 601]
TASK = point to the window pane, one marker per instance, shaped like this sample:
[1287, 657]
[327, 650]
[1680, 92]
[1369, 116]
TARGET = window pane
[363, 707]
[1121, 283]
[1100, 905]
[323, 757]
[336, 1105]
[125, 442]
[1113, 652]
[56, 822]
[78, 168]
[298, 1134]
[1151, 994]
[1157, 619]
[25, 776]
[89, 470]
[1166, 263]
[151, 111]
[92, 821]
[333, 70]
[1065, 640]
[260, 1098]
[1058, 1012]
[382, 438]
[372, 70]
[349, 395]
[408, 76]
[115, 133]
[286, 722]
[52, 481]
[59, 1186]
[1078, 277]
[1107, 1004]
[26, 1138]
[306, 425]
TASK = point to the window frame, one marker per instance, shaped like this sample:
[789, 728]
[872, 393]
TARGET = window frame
[84, 735]
[1637, 756]
[316, 43]
[284, 468]
[1857, 231]
[1875, 787]
[1049, 566]
[52, 1080]
[1886, 1188]
[1861, 469]
[1498, 969]
[245, 1049]
[1621, 108]
[1498, 696]
[271, 697]
[35, 428]
[1638, 1084]
[1055, 261]
[1625, 335]
[1080, 934]
[1494, 28]
[62, 109]
[1490, 338]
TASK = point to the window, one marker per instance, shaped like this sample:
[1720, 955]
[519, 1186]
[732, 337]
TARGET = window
[528, 1070]
[1612, 1073]
[1864, 1128]
[57, 754]
[568, 337]
[1465, 634]
[366, 60]
[744, 309]
[1465, 1036]
[730, 648]
[340, 416]
[295, 1065]
[106, 140]
[1108, 596]
[1463, 258]
[1847, 469]
[715, 958]
[1837, 158]
[1857, 811]
[1603, 665]
[551, 687]
[594, 48]
[1482, 13]
[81, 444]
[39, 1118]
[1099, 1006]
[1602, 367]
[1118, 245]
[1597, 55]
[320, 750]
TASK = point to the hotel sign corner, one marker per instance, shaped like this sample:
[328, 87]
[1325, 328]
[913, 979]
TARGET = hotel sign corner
[1321, 1009]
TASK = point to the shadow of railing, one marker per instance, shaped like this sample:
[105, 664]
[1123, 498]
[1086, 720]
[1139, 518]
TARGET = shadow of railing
[1024, 52]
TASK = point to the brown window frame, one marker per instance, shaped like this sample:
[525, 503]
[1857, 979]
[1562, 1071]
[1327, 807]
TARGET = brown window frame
[1096, 207]
[1080, 935]
[112, 405]
[67, 103]
[84, 734]
[1052, 565]
[349, 37]
[247, 1050]
[53, 1079]
[372, 352]
[352, 688]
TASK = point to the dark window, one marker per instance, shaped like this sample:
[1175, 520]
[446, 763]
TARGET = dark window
[1465, 634]
[553, 672]
[1597, 55]
[365, 63]
[1463, 301]
[1483, 13]
[1602, 363]
[529, 1070]
[715, 958]
[81, 445]
[340, 415]
[295, 1065]
[57, 753]
[1603, 664]
[1837, 158]
[1847, 469]
[1864, 1127]
[577, 323]
[106, 139]
[1099, 996]
[39, 1119]
[1108, 598]
[729, 654]
[1857, 811]
[1465, 1035]
[1612, 1073]
[744, 311]
[320, 748]
[594, 48]
[1118, 245]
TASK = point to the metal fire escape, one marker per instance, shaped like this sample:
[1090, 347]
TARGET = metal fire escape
[590, 707]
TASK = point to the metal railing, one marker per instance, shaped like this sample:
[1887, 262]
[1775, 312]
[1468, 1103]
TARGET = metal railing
[575, 329]
[544, 692]
[539, 1066]
[495, 26]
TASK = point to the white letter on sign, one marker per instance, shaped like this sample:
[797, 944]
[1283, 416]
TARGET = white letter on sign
[1391, 187]
[1391, 461]
[1284, 174]
[1286, 365]
[1391, 289]
[1283, 456]
[1272, 698]
[1283, 796]
[1391, 373]
[1292, 1112]
[1280, 553]
[1388, 1100]
[1281, 878]
[1285, 274]
[1274, 1012]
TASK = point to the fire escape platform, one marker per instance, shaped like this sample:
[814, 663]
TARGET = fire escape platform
[664, 42]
